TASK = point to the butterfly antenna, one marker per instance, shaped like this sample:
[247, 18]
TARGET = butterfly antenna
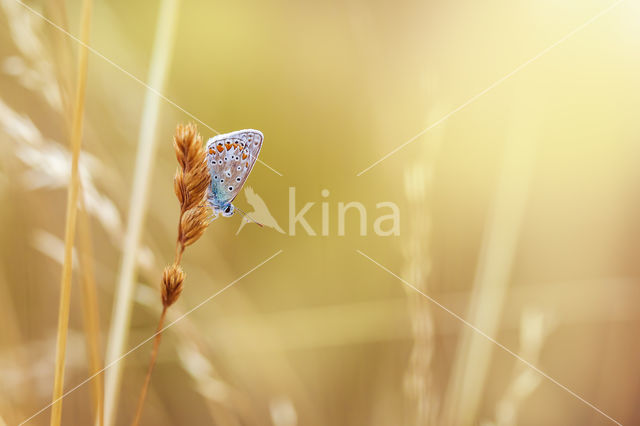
[249, 217]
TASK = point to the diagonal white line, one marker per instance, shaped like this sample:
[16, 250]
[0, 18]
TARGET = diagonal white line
[269, 167]
[491, 339]
[497, 83]
[112, 363]
[97, 53]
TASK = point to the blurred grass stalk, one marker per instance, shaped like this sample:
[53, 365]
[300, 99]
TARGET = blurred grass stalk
[72, 211]
[123, 302]
[91, 313]
[419, 388]
[535, 326]
[491, 281]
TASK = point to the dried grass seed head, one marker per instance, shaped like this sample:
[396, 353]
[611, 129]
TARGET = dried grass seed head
[172, 283]
[192, 177]
[187, 143]
[194, 223]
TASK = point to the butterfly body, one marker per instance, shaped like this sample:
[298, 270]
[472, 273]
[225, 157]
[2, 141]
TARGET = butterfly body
[230, 159]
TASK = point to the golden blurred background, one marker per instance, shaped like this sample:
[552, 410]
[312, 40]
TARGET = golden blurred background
[518, 210]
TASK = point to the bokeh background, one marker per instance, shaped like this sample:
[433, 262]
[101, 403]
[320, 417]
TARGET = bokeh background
[518, 213]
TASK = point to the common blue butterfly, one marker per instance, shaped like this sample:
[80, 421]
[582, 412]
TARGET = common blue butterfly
[230, 158]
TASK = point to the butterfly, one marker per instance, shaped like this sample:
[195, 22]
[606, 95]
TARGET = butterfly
[230, 158]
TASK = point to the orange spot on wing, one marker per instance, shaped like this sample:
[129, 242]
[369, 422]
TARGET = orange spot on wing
[228, 145]
[220, 148]
[211, 151]
[235, 145]
[244, 156]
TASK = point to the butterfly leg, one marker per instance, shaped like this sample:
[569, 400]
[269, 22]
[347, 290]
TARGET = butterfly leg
[213, 216]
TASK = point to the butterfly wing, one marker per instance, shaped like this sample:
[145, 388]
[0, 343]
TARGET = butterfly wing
[230, 158]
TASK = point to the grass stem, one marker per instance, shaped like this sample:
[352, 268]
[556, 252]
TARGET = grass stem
[152, 363]
[70, 225]
[91, 313]
[492, 280]
[123, 303]
[190, 184]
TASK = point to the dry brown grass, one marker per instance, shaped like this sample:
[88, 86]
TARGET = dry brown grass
[91, 313]
[70, 225]
[190, 184]
[90, 308]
